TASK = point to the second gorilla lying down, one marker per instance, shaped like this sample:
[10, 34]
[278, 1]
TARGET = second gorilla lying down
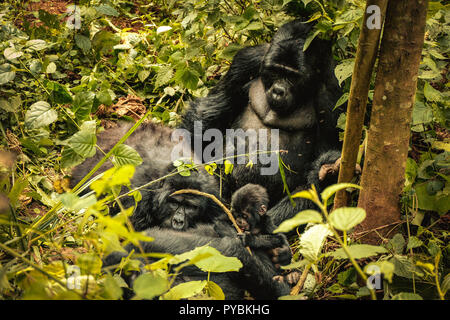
[183, 222]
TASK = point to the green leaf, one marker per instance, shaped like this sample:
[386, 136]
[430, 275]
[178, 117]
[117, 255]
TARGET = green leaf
[12, 53]
[422, 113]
[83, 42]
[407, 296]
[414, 242]
[19, 185]
[344, 70]
[346, 218]
[430, 93]
[312, 240]
[187, 77]
[113, 177]
[228, 167]
[150, 285]
[185, 290]
[385, 267]
[51, 68]
[397, 243]
[164, 75]
[214, 291]
[69, 158]
[7, 106]
[404, 267]
[310, 39]
[89, 263]
[82, 104]
[35, 67]
[143, 74]
[329, 191]
[75, 203]
[107, 10]
[6, 73]
[36, 44]
[58, 92]
[40, 115]
[305, 194]
[303, 217]
[445, 286]
[112, 287]
[208, 259]
[104, 97]
[219, 263]
[343, 99]
[83, 143]
[125, 154]
[347, 277]
[104, 41]
[358, 251]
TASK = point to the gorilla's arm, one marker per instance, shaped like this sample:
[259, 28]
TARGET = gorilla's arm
[284, 210]
[224, 102]
[257, 272]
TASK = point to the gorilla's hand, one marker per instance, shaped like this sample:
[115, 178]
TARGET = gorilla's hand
[264, 241]
[281, 255]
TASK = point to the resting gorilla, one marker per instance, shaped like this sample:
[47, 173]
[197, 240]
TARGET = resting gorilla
[154, 144]
[278, 86]
[183, 222]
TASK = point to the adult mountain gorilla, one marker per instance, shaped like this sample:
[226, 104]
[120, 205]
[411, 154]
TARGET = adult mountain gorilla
[180, 223]
[278, 86]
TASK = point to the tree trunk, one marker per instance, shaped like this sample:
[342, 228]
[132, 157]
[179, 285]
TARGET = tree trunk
[388, 138]
[356, 108]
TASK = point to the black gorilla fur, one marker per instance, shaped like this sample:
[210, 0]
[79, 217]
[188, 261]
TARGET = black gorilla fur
[257, 276]
[278, 86]
[153, 143]
[183, 222]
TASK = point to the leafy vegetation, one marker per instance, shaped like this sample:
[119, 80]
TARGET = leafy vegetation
[67, 72]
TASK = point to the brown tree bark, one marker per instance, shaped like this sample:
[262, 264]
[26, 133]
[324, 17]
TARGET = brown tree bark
[388, 138]
[366, 54]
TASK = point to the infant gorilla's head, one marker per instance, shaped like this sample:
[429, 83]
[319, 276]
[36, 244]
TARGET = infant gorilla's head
[248, 205]
[289, 74]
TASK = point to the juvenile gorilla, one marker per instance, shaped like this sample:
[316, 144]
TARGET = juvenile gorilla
[279, 86]
[249, 206]
[180, 223]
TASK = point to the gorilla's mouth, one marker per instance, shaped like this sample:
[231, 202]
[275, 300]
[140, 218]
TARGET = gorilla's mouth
[177, 224]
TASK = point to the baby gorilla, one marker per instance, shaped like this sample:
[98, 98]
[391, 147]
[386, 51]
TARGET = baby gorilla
[249, 205]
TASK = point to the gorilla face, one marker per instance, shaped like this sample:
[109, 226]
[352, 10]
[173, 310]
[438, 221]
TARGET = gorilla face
[182, 212]
[288, 73]
[248, 206]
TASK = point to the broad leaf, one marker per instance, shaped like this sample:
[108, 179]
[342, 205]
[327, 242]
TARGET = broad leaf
[329, 191]
[83, 143]
[358, 251]
[150, 285]
[312, 240]
[185, 290]
[303, 217]
[125, 154]
[40, 114]
[12, 53]
[214, 291]
[83, 42]
[70, 158]
[82, 104]
[6, 73]
[407, 296]
[346, 218]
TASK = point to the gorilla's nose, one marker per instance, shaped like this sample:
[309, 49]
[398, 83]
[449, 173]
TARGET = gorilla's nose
[278, 91]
